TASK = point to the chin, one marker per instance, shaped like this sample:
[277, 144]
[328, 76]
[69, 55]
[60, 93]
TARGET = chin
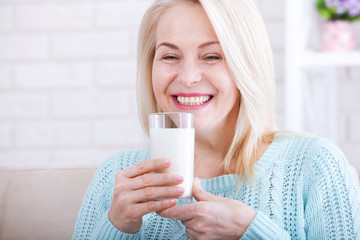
[201, 128]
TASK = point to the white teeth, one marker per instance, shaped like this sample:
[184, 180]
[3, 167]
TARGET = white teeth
[193, 100]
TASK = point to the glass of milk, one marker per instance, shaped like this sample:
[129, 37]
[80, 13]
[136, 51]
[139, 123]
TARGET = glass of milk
[172, 135]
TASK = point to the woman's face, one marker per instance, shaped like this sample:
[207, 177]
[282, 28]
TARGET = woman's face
[190, 73]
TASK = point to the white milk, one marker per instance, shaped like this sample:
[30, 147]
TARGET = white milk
[178, 145]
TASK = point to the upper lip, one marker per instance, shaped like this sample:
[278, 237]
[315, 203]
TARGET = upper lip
[190, 94]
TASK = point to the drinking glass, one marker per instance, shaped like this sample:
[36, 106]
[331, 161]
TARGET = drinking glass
[172, 135]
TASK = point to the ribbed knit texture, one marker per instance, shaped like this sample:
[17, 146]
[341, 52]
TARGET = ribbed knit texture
[303, 190]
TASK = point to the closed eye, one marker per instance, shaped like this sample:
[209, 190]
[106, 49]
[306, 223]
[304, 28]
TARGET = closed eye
[169, 58]
[213, 58]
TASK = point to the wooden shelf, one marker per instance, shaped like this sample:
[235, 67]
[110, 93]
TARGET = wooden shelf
[311, 58]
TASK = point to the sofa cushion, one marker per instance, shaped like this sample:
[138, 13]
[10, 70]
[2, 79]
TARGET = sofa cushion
[41, 203]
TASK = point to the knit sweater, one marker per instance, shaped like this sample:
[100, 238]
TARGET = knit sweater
[302, 189]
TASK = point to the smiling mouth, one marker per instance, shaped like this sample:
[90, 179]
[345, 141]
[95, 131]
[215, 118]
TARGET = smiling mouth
[192, 101]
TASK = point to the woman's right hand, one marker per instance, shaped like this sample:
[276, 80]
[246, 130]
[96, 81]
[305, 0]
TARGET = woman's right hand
[136, 191]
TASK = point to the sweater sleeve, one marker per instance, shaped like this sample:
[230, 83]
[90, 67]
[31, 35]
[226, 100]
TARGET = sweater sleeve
[93, 221]
[332, 198]
[262, 227]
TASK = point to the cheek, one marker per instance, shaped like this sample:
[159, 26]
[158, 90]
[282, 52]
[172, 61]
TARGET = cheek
[226, 84]
[160, 85]
[156, 80]
[229, 89]
[162, 77]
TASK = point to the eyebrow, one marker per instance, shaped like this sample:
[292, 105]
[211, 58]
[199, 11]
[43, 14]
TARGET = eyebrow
[169, 45]
[172, 46]
[208, 44]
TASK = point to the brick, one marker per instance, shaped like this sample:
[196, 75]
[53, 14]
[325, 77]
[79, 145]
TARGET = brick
[24, 159]
[354, 128]
[116, 73]
[274, 9]
[46, 134]
[5, 76]
[6, 18]
[91, 44]
[280, 106]
[81, 157]
[133, 102]
[258, 3]
[54, 16]
[133, 46]
[280, 97]
[119, 133]
[53, 75]
[101, 103]
[280, 121]
[343, 126]
[354, 73]
[120, 13]
[352, 153]
[5, 135]
[34, 134]
[72, 133]
[23, 105]
[349, 96]
[276, 32]
[23, 46]
[279, 63]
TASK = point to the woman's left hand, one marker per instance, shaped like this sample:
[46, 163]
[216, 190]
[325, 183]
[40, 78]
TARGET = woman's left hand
[212, 217]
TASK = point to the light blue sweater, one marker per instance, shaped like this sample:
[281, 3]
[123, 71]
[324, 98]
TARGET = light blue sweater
[303, 190]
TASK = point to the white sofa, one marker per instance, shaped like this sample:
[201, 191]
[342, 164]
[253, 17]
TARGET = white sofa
[41, 204]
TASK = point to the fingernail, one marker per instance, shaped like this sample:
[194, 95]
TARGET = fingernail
[172, 201]
[179, 178]
[198, 182]
[179, 189]
[167, 161]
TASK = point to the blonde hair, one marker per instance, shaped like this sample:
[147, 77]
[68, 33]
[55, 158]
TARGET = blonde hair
[242, 35]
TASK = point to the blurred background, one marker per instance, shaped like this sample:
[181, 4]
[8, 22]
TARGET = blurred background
[67, 80]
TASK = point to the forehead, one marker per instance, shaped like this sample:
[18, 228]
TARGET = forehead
[185, 20]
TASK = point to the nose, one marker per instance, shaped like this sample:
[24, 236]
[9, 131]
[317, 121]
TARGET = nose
[189, 73]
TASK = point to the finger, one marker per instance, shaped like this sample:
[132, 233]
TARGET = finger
[156, 205]
[152, 193]
[156, 179]
[200, 195]
[146, 166]
[191, 234]
[183, 212]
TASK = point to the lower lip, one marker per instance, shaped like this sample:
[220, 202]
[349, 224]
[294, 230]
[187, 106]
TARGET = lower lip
[190, 107]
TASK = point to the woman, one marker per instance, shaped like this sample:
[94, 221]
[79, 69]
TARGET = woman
[213, 58]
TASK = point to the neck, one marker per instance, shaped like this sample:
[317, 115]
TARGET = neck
[211, 149]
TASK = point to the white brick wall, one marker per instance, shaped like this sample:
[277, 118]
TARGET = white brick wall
[23, 46]
[93, 44]
[67, 81]
[5, 76]
[23, 105]
[6, 17]
[354, 128]
[114, 73]
[5, 135]
[53, 75]
[92, 103]
[120, 14]
[54, 16]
